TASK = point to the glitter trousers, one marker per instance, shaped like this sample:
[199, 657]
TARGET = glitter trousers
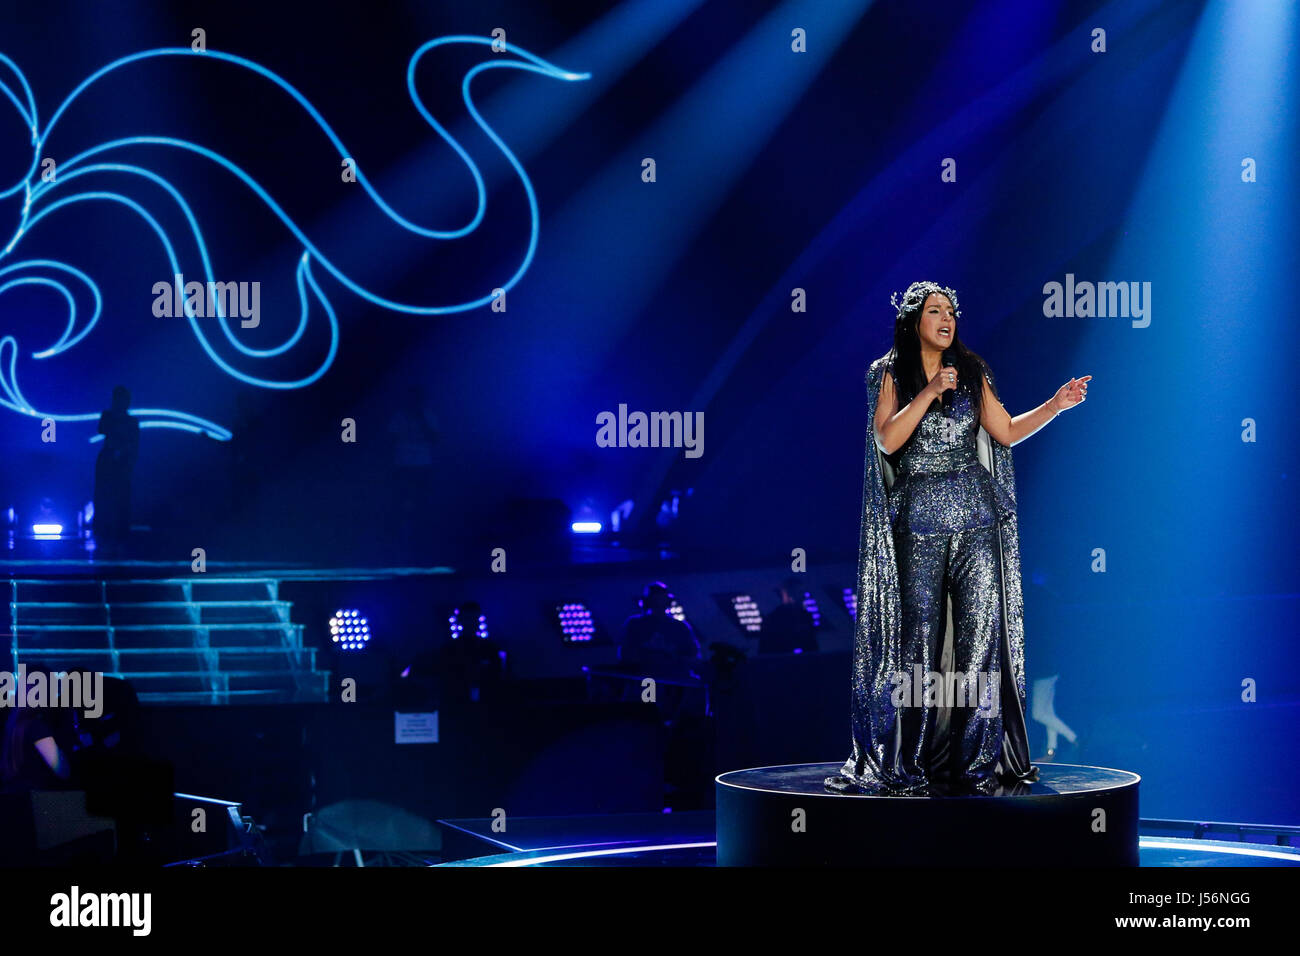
[951, 736]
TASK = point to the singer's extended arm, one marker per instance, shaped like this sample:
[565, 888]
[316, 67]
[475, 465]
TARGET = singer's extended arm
[1010, 431]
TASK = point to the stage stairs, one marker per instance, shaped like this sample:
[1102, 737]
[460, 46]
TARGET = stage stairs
[202, 640]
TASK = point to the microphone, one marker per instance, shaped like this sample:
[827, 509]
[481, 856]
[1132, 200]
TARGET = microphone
[948, 362]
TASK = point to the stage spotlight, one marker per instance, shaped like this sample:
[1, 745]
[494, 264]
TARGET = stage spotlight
[576, 623]
[586, 527]
[47, 531]
[676, 610]
[619, 515]
[849, 600]
[460, 620]
[349, 630]
[670, 508]
[743, 611]
[810, 605]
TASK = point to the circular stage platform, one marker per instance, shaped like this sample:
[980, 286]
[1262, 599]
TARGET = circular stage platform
[783, 816]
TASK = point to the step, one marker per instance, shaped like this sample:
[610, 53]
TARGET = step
[122, 604]
[188, 627]
[219, 698]
[244, 680]
[223, 663]
[137, 589]
[143, 682]
[184, 660]
[197, 639]
[275, 636]
[312, 684]
[58, 612]
[187, 637]
[197, 578]
[253, 651]
[89, 637]
[269, 640]
[119, 617]
[231, 659]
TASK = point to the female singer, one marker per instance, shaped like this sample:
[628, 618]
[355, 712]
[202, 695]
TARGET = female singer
[939, 708]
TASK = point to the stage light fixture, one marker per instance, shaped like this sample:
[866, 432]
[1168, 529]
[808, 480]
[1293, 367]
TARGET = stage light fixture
[349, 630]
[457, 626]
[849, 598]
[743, 611]
[810, 605]
[576, 622]
[620, 515]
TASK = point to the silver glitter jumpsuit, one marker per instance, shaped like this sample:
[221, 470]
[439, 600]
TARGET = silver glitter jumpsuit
[943, 508]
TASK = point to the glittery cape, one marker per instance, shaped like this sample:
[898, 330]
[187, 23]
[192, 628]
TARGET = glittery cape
[877, 638]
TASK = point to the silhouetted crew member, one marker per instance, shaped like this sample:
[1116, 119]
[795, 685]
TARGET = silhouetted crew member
[471, 667]
[655, 641]
[32, 758]
[113, 470]
[788, 626]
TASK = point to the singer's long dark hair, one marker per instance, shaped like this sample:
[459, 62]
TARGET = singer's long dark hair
[909, 376]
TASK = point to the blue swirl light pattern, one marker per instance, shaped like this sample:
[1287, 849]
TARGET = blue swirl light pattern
[42, 199]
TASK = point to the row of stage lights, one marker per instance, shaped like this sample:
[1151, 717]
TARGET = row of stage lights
[577, 625]
[585, 522]
[747, 616]
[351, 632]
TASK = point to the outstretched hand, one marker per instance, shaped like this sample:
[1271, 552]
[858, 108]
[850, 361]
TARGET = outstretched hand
[1071, 393]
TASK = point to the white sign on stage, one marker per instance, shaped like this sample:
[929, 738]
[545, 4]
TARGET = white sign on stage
[415, 728]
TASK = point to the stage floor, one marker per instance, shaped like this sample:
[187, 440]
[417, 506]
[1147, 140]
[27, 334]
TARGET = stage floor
[687, 840]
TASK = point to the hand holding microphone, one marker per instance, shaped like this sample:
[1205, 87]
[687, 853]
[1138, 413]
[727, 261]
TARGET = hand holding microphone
[947, 381]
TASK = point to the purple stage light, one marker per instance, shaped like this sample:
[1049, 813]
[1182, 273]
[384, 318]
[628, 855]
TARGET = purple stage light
[457, 626]
[576, 623]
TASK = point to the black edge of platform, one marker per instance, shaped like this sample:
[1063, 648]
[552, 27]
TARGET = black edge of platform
[799, 823]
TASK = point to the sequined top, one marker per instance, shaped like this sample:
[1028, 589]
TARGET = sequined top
[941, 486]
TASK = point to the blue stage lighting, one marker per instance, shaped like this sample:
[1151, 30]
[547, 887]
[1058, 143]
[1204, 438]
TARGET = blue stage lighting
[743, 611]
[586, 527]
[849, 597]
[349, 630]
[457, 626]
[810, 605]
[43, 198]
[576, 623]
[619, 515]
